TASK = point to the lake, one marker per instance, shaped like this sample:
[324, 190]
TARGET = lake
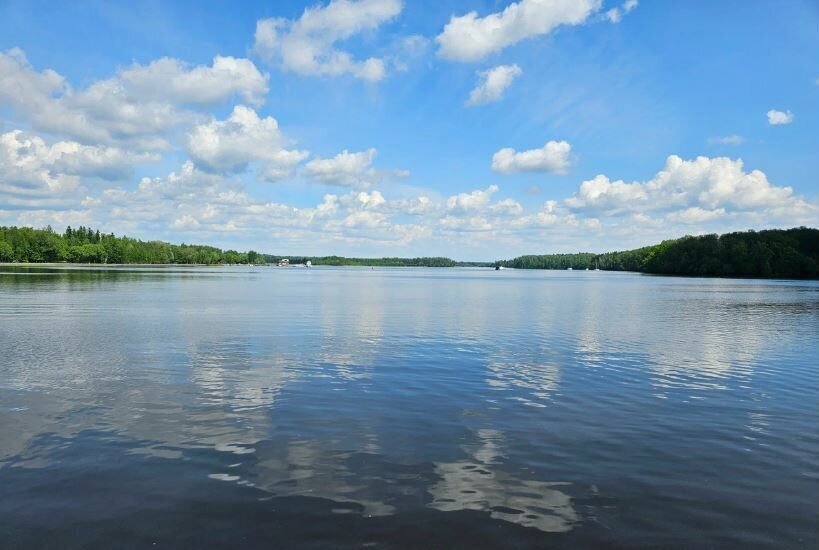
[231, 407]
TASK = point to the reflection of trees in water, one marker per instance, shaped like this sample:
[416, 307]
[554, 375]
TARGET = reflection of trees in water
[477, 484]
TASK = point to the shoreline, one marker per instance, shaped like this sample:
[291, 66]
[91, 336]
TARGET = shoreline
[367, 267]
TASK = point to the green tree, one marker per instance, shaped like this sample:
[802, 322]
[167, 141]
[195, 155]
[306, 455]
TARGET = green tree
[6, 252]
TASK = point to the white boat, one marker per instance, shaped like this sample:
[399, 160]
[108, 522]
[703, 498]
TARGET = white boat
[569, 269]
[308, 263]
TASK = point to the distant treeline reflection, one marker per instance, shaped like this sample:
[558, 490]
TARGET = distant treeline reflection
[791, 253]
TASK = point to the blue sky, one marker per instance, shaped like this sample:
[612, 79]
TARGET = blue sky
[476, 130]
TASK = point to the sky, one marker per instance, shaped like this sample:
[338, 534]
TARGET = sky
[477, 130]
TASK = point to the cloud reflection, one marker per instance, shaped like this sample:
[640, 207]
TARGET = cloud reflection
[478, 483]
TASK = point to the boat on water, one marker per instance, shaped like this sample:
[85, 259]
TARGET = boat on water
[569, 269]
[308, 263]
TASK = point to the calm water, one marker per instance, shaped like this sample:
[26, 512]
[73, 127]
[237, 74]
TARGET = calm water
[244, 407]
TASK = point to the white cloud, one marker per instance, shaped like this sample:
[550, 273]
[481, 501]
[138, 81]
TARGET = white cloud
[281, 164]
[716, 185]
[170, 80]
[192, 204]
[777, 118]
[696, 215]
[29, 167]
[350, 170]
[230, 145]
[108, 163]
[346, 169]
[307, 45]
[471, 38]
[615, 15]
[554, 157]
[493, 83]
[371, 200]
[25, 168]
[507, 207]
[733, 139]
[469, 202]
[138, 105]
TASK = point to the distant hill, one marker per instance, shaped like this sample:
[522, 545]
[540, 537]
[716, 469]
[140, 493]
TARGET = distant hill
[775, 253]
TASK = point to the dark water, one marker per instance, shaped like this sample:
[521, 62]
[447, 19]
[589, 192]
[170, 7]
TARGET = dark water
[282, 408]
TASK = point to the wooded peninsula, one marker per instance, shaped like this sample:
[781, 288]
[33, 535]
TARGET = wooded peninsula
[776, 253]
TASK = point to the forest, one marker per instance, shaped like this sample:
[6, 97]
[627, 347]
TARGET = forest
[85, 245]
[774, 253]
[777, 253]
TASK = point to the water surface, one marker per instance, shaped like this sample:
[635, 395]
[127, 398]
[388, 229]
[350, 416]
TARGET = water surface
[243, 407]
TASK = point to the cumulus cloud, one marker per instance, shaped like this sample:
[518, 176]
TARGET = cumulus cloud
[192, 203]
[25, 169]
[307, 45]
[229, 146]
[196, 202]
[493, 83]
[471, 38]
[777, 118]
[138, 105]
[554, 157]
[171, 80]
[29, 167]
[698, 190]
[350, 170]
[615, 15]
[346, 169]
[474, 201]
[696, 215]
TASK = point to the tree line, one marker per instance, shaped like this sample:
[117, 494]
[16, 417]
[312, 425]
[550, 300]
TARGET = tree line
[425, 261]
[790, 253]
[774, 253]
[86, 245]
